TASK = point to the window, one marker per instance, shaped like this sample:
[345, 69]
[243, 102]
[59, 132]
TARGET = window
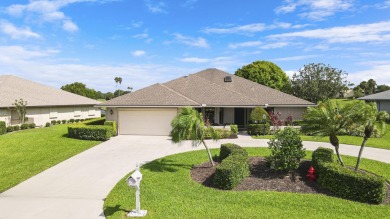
[53, 113]
[91, 112]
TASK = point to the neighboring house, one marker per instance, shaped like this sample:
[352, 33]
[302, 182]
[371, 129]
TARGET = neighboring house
[382, 100]
[221, 97]
[44, 103]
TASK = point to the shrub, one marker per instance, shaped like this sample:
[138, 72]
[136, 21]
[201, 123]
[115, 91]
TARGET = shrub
[256, 116]
[71, 120]
[16, 127]
[345, 182]
[53, 122]
[98, 121]
[3, 129]
[231, 172]
[231, 149]
[82, 120]
[63, 121]
[91, 132]
[111, 124]
[286, 150]
[47, 124]
[32, 125]
[258, 129]
[234, 129]
[10, 129]
[24, 126]
[350, 184]
[322, 155]
[220, 133]
[58, 121]
[77, 120]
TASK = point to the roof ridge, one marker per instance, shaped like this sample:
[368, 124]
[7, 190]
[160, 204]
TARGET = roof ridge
[227, 88]
[162, 85]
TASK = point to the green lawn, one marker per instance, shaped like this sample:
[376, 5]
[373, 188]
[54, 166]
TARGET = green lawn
[383, 142]
[25, 153]
[167, 191]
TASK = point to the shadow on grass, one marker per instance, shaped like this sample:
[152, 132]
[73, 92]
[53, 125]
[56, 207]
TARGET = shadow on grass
[165, 165]
[109, 210]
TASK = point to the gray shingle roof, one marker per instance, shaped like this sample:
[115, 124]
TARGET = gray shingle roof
[385, 95]
[207, 87]
[12, 88]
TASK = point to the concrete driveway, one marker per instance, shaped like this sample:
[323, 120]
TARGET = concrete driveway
[76, 188]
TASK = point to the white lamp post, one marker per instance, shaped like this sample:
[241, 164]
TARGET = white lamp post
[134, 181]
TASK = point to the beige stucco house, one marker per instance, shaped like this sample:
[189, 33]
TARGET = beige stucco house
[221, 97]
[44, 103]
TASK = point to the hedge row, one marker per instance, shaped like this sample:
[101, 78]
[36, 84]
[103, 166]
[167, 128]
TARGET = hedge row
[93, 132]
[3, 129]
[347, 183]
[233, 168]
[258, 129]
[230, 149]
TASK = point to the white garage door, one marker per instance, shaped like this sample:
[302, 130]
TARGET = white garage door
[146, 121]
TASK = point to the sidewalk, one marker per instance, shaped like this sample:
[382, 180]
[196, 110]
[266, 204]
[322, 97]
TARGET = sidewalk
[76, 188]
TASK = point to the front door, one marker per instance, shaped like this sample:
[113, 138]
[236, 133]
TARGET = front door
[239, 117]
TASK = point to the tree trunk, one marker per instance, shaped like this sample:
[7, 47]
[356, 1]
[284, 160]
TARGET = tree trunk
[335, 142]
[360, 153]
[208, 152]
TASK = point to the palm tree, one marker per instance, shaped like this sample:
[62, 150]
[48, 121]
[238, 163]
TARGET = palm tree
[368, 116]
[328, 119]
[188, 124]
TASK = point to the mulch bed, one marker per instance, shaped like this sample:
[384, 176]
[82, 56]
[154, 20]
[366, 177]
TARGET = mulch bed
[262, 177]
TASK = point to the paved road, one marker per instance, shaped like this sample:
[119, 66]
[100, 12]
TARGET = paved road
[76, 188]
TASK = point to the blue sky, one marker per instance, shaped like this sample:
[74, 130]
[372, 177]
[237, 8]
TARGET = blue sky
[146, 41]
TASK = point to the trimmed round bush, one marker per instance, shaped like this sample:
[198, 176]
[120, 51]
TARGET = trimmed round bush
[10, 129]
[256, 116]
[47, 124]
[63, 121]
[24, 126]
[53, 122]
[32, 125]
[16, 127]
[3, 128]
[258, 129]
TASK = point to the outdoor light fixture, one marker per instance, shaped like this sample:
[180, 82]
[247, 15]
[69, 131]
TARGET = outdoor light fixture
[134, 181]
[111, 111]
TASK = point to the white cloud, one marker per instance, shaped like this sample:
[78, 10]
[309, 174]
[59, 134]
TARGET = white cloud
[16, 32]
[156, 7]
[195, 60]
[295, 58]
[138, 53]
[41, 65]
[141, 36]
[315, 9]
[46, 11]
[290, 73]
[69, 26]
[191, 41]
[243, 29]
[380, 72]
[245, 44]
[374, 32]
[275, 45]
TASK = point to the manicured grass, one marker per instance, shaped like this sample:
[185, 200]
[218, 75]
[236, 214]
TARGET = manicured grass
[167, 191]
[26, 153]
[383, 142]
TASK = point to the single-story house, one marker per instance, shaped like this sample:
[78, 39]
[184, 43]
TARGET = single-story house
[382, 100]
[221, 97]
[44, 103]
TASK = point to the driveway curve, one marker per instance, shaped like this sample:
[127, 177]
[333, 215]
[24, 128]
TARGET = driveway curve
[76, 188]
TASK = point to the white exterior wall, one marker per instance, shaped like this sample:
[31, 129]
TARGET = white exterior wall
[41, 115]
[295, 112]
[113, 116]
[228, 114]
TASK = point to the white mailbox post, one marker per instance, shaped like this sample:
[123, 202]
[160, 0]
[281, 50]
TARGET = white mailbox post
[134, 181]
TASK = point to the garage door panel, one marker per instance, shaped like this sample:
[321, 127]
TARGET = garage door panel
[146, 122]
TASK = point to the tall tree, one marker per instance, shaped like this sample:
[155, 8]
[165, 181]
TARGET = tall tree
[318, 82]
[80, 89]
[20, 107]
[328, 119]
[367, 115]
[266, 73]
[383, 87]
[188, 124]
[118, 80]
